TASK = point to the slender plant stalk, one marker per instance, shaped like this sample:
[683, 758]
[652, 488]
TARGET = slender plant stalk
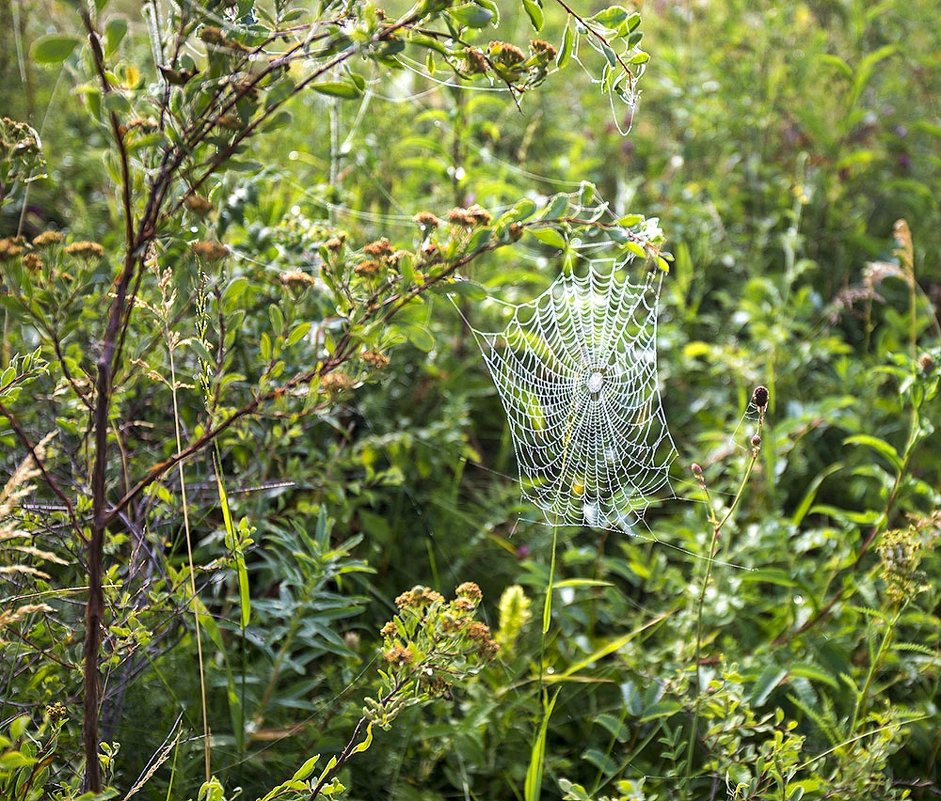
[717, 526]
[207, 750]
[862, 698]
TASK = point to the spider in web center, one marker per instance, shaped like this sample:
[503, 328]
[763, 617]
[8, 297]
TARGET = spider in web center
[595, 382]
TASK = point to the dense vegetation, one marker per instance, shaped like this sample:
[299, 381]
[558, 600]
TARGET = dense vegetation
[261, 532]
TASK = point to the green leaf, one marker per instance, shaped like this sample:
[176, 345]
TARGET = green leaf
[117, 103]
[14, 759]
[233, 292]
[549, 236]
[364, 745]
[581, 583]
[770, 678]
[342, 89]
[276, 316]
[611, 17]
[18, 726]
[536, 15]
[115, 31]
[662, 709]
[811, 495]
[300, 331]
[533, 786]
[305, 770]
[471, 15]
[880, 446]
[420, 337]
[232, 543]
[53, 49]
[568, 42]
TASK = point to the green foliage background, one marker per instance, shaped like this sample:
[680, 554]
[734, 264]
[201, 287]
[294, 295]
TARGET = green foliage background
[777, 143]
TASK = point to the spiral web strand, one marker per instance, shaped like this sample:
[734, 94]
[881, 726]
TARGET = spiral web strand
[576, 371]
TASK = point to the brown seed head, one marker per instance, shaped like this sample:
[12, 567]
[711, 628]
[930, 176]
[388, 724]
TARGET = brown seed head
[760, 397]
[542, 49]
[198, 204]
[210, 250]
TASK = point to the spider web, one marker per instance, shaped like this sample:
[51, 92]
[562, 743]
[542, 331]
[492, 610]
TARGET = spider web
[576, 371]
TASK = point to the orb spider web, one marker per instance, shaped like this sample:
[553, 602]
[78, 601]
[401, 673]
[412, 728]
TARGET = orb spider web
[576, 371]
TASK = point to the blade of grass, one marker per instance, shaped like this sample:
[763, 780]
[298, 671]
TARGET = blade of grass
[533, 787]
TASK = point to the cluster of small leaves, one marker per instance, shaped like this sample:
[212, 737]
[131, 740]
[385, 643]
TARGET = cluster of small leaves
[27, 753]
[21, 159]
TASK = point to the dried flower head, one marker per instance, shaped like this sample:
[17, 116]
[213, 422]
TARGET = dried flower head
[9, 249]
[210, 250]
[506, 54]
[144, 123]
[376, 359]
[32, 262]
[230, 121]
[475, 62]
[336, 382]
[334, 243]
[212, 35]
[480, 634]
[47, 239]
[470, 591]
[379, 249]
[368, 268]
[418, 597]
[397, 655]
[470, 217]
[426, 220]
[926, 362]
[296, 278]
[85, 250]
[198, 204]
[542, 49]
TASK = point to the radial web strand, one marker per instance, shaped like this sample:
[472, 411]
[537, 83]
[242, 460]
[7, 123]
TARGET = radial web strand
[576, 371]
